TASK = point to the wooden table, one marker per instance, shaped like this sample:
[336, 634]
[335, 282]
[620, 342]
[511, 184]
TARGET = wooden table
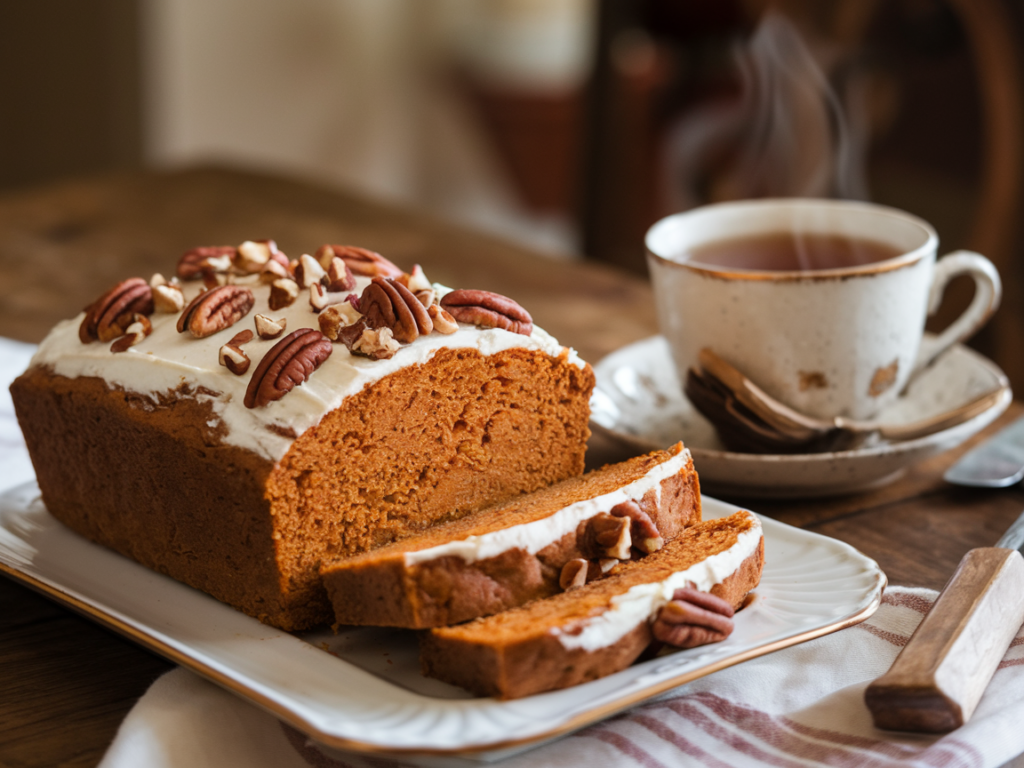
[66, 684]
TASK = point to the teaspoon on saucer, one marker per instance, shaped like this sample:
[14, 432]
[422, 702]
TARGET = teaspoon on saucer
[749, 419]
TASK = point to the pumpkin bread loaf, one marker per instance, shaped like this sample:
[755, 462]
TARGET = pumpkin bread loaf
[238, 426]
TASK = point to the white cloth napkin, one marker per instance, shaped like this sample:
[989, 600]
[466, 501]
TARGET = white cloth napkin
[801, 706]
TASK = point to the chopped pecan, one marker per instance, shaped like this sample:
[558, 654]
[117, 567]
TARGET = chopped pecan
[336, 317]
[253, 255]
[283, 293]
[415, 280]
[216, 279]
[110, 315]
[375, 343]
[693, 618]
[360, 260]
[278, 256]
[137, 330]
[427, 297]
[215, 310]
[318, 297]
[615, 538]
[198, 260]
[242, 337]
[288, 363]
[168, 298]
[274, 270]
[442, 320]
[605, 536]
[308, 271]
[339, 276]
[233, 358]
[324, 255]
[574, 574]
[270, 328]
[489, 310]
[643, 531]
[389, 304]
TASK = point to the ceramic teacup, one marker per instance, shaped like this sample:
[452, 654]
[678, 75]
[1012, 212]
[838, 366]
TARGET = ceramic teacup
[832, 339]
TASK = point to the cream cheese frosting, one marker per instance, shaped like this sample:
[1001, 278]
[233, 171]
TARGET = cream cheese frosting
[537, 534]
[167, 361]
[642, 602]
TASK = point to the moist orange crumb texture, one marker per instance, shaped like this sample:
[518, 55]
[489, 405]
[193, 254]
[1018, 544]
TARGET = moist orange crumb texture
[426, 444]
[541, 531]
[529, 508]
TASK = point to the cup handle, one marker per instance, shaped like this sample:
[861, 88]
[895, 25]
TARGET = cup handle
[988, 290]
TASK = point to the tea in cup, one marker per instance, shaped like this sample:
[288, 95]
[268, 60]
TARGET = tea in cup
[821, 303]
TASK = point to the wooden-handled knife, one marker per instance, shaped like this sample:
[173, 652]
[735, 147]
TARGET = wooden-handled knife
[940, 675]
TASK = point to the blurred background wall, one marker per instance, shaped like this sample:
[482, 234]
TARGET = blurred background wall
[569, 125]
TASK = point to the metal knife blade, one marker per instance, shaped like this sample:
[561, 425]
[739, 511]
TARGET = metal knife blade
[996, 463]
[1014, 536]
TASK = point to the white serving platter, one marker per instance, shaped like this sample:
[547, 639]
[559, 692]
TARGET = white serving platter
[361, 690]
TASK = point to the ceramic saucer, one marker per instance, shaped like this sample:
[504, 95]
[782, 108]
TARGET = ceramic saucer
[639, 402]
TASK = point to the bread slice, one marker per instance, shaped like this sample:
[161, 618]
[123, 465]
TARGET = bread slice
[597, 629]
[508, 554]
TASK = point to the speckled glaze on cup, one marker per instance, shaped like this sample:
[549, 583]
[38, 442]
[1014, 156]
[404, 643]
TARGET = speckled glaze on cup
[830, 342]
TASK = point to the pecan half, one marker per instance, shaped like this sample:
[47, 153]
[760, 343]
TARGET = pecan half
[389, 304]
[137, 330]
[110, 315]
[269, 327]
[360, 260]
[488, 310]
[215, 310]
[643, 531]
[288, 363]
[693, 618]
[195, 262]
